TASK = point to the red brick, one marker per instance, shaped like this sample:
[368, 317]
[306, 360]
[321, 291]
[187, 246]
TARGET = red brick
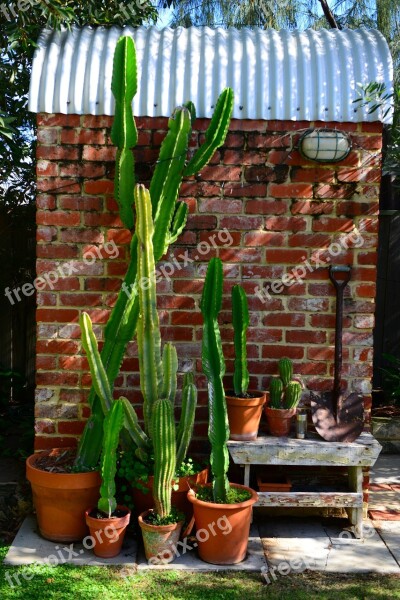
[366, 290]
[46, 363]
[242, 157]
[309, 240]
[285, 256]
[266, 207]
[44, 427]
[46, 168]
[247, 125]
[92, 236]
[47, 136]
[351, 209]
[60, 218]
[53, 378]
[241, 223]
[102, 220]
[293, 352]
[241, 255]
[263, 238]
[96, 122]
[98, 316]
[309, 207]
[284, 320]
[73, 363]
[285, 223]
[220, 205]
[53, 153]
[77, 299]
[290, 190]
[257, 140]
[81, 203]
[45, 202]
[306, 337]
[186, 318]
[312, 175]
[325, 191]
[221, 173]
[99, 187]
[244, 190]
[220, 238]
[57, 120]
[332, 224]
[56, 347]
[372, 127]
[71, 427]
[293, 157]
[198, 222]
[367, 142]
[367, 258]
[48, 442]
[100, 154]
[58, 185]
[50, 315]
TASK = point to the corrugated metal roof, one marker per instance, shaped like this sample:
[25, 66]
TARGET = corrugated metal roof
[300, 75]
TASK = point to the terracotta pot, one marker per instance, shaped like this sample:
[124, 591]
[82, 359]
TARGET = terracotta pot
[159, 540]
[244, 416]
[108, 534]
[215, 545]
[279, 420]
[61, 499]
[145, 501]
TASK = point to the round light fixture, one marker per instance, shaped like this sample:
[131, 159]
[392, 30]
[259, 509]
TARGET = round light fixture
[324, 145]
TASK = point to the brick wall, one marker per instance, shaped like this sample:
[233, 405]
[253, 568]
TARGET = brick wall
[278, 212]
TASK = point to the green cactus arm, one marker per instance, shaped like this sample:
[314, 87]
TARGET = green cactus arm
[167, 177]
[292, 394]
[99, 376]
[276, 392]
[148, 328]
[240, 319]
[164, 445]
[131, 424]
[215, 134]
[285, 367]
[178, 222]
[213, 364]
[123, 131]
[192, 110]
[170, 368]
[112, 426]
[186, 423]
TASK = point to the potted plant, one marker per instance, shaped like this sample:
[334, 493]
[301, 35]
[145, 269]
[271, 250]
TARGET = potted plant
[385, 418]
[220, 501]
[284, 396]
[65, 482]
[244, 407]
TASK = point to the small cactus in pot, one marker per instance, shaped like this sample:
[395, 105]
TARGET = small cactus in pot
[284, 397]
[244, 406]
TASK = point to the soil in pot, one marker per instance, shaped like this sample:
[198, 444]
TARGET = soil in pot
[244, 415]
[222, 530]
[160, 541]
[144, 501]
[61, 497]
[279, 420]
[107, 532]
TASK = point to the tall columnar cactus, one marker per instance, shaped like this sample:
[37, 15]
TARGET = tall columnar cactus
[112, 427]
[284, 393]
[164, 445]
[213, 364]
[240, 319]
[168, 213]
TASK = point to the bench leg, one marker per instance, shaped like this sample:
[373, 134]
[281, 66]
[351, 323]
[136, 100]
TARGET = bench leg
[246, 475]
[356, 514]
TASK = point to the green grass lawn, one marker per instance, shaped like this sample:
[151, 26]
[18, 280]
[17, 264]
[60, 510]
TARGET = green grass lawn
[66, 582]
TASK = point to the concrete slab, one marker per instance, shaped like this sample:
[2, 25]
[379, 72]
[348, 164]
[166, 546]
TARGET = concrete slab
[384, 500]
[29, 547]
[390, 533]
[386, 470]
[324, 546]
[189, 561]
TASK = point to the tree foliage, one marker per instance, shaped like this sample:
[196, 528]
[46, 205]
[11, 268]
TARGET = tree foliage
[19, 31]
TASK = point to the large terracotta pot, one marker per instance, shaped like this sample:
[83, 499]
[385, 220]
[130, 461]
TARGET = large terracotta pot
[279, 420]
[108, 534]
[61, 500]
[213, 521]
[160, 541]
[144, 501]
[244, 416]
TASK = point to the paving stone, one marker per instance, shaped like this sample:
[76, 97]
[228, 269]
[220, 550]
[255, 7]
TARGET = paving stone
[384, 500]
[390, 533]
[386, 470]
[384, 515]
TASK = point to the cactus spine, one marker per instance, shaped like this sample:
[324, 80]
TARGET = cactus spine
[213, 364]
[240, 319]
[284, 393]
[169, 215]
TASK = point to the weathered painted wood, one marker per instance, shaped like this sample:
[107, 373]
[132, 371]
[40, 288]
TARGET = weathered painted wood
[355, 476]
[268, 450]
[310, 499]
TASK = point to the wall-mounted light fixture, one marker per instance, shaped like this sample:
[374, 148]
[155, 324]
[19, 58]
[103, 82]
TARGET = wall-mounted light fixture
[324, 145]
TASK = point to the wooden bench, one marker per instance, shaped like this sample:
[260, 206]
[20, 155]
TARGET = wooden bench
[315, 452]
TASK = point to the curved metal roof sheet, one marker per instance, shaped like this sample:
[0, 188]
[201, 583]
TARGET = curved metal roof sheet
[299, 75]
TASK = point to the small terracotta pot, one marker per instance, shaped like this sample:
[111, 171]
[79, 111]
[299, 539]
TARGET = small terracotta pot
[61, 499]
[108, 534]
[144, 501]
[159, 540]
[222, 530]
[279, 420]
[244, 416]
